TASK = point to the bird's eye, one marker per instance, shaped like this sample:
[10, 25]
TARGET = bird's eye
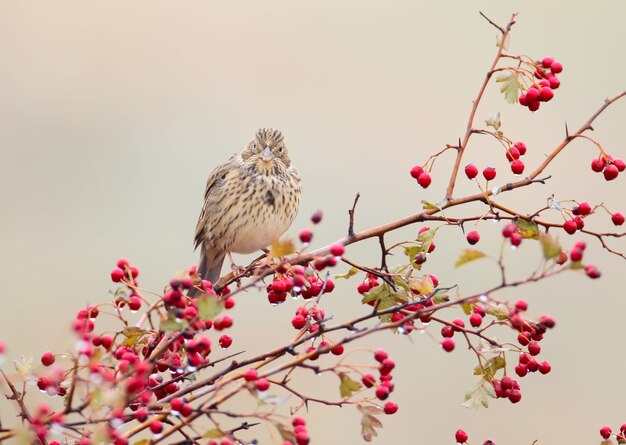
[254, 145]
[281, 149]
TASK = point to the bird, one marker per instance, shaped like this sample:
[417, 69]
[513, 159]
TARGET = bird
[249, 201]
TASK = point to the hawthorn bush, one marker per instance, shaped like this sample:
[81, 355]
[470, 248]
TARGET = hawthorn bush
[170, 372]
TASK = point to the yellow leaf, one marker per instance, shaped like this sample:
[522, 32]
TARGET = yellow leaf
[281, 248]
[469, 255]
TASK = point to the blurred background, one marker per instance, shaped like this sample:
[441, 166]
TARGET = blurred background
[114, 113]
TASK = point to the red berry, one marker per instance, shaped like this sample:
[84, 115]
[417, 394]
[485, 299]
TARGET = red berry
[521, 305]
[225, 341]
[390, 408]
[544, 367]
[156, 426]
[447, 344]
[521, 370]
[117, 275]
[555, 83]
[489, 173]
[380, 355]
[368, 380]
[316, 218]
[461, 436]
[417, 171]
[306, 235]
[250, 375]
[515, 395]
[516, 239]
[592, 271]
[47, 358]
[584, 208]
[134, 303]
[298, 421]
[424, 180]
[476, 319]
[556, 67]
[610, 172]
[512, 154]
[570, 226]
[605, 432]
[620, 164]
[580, 224]
[447, 331]
[298, 321]
[471, 171]
[382, 392]
[517, 167]
[534, 348]
[576, 255]
[546, 94]
[597, 165]
[508, 230]
[177, 403]
[521, 148]
[617, 218]
[458, 322]
[262, 384]
[337, 350]
[547, 61]
[473, 237]
[523, 100]
[336, 250]
[532, 94]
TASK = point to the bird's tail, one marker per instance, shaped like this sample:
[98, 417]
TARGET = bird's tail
[208, 270]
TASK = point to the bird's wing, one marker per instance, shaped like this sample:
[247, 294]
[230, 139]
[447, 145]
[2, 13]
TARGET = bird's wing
[215, 176]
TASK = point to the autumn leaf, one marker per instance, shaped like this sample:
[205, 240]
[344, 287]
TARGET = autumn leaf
[369, 421]
[490, 368]
[510, 87]
[209, 307]
[469, 255]
[281, 248]
[348, 386]
[172, 324]
[353, 271]
[479, 396]
[286, 432]
[213, 434]
[527, 229]
[550, 246]
[423, 285]
[132, 334]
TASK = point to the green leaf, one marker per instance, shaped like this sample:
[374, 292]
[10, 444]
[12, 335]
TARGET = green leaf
[469, 255]
[479, 396]
[550, 246]
[133, 335]
[494, 121]
[172, 324]
[422, 285]
[209, 307]
[352, 272]
[488, 371]
[510, 87]
[429, 205]
[348, 386]
[527, 229]
[369, 422]
[213, 434]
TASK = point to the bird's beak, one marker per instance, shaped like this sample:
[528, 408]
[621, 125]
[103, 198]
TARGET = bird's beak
[267, 154]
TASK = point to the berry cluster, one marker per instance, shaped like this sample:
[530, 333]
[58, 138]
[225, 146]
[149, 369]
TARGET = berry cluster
[423, 178]
[385, 386]
[543, 89]
[461, 437]
[606, 432]
[301, 434]
[609, 167]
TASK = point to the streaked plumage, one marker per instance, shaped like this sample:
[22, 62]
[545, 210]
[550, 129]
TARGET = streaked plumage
[248, 202]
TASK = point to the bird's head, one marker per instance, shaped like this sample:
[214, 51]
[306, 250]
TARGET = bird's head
[267, 149]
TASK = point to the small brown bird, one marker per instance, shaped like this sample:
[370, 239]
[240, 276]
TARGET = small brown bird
[249, 201]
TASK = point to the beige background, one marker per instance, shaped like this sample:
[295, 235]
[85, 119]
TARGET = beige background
[112, 115]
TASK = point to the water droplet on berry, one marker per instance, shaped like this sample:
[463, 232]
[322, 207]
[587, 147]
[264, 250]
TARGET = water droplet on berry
[483, 298]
